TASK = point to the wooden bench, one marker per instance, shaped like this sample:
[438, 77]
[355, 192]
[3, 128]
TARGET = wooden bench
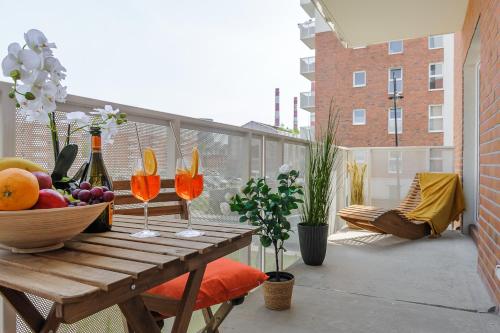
[163, 307]
[390, 221]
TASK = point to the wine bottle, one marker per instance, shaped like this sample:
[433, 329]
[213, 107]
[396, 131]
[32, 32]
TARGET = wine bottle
[97, 175]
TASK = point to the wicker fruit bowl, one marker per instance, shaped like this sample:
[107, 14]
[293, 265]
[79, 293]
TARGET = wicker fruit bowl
[41, 230]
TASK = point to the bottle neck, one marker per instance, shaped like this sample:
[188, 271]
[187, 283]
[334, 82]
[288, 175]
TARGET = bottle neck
[96, 143]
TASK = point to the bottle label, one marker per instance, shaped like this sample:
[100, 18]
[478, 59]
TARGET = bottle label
[111, 207]
[96, 143]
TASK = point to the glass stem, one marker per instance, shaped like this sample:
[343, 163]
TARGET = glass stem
[146, 226]
[188, 206]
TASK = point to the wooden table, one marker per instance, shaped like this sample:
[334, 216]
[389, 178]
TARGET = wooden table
[95, 271]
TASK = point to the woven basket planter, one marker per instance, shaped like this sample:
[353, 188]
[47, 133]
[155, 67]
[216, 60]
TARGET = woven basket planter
[278, 295]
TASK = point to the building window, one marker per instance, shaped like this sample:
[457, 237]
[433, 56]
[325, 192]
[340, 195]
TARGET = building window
[436, 76]
[359, 117]
[390, 122]
[395, 47]
[436, 118]
[436, 160]
[435, 42]
[395, 162]
[359, 79]
[398, 74]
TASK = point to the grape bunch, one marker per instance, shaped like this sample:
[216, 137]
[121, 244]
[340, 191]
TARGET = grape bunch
[88, 195]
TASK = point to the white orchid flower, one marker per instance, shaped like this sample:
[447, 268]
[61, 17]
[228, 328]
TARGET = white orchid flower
[36, 40]
[225, 208]
[19, 59]
[228, 196]
[48, 96]
[106, 112]
[61, 94]
[55, 69]
[34, 112]
[78, 117]
[285, 168]
[108, 131]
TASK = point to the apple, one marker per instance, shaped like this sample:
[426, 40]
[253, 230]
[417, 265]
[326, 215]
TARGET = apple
[50, 199]
[44, 180]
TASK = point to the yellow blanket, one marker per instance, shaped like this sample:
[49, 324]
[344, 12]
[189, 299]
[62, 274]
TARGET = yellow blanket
[442, 200]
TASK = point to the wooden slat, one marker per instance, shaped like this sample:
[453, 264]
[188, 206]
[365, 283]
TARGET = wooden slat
[160, 260]
[89, 275]
[134, 268]
[50, 287]
[165, 226]
[124, 185]
[238, 225]
[181, 253]
[170, 232]
[128, 199]
[152, 211]
[163, 220]
[180, 243]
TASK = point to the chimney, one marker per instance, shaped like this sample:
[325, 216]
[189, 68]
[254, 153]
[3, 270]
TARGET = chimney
[277, 107]
[295, 120]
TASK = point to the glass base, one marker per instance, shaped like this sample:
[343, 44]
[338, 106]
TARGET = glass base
[145, 234]
[190, 233]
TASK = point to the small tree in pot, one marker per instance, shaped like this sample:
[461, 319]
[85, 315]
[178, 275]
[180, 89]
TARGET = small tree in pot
[269, 210]
[313, 229]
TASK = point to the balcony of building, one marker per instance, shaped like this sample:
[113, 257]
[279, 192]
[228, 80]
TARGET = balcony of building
[307, 101]
[307, 66]
[308, 7]
[307, 33]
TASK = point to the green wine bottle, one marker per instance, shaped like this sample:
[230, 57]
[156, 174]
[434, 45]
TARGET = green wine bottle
[97, 175]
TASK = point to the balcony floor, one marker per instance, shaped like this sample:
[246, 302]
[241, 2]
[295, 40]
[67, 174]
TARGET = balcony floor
[380, 283]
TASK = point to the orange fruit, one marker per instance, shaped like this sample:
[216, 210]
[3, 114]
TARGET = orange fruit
[150, 162]
[18, 189]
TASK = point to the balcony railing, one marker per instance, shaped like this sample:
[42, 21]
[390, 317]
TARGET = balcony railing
[307, 67]
[307, 100]
[307, 33]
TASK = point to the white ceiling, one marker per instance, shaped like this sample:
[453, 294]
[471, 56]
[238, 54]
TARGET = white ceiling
[364, 22]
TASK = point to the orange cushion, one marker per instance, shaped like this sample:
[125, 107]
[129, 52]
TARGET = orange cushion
[224, 280]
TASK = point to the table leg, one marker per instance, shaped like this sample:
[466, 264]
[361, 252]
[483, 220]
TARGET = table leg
[23, 306]
[52, 323]
[186, 305]
[138, 317]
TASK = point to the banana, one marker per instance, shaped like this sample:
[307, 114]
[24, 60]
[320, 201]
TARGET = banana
[20, 163]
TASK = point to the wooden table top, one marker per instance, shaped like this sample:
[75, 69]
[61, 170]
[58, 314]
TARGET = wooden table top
[94, 271]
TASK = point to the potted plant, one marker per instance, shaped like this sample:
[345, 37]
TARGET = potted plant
[269, 209]
[315, 212]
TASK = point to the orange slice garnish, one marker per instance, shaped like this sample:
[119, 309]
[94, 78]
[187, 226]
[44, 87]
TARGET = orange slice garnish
[150, 162]
[195, 162]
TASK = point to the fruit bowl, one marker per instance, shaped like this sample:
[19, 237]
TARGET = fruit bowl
[41, 230]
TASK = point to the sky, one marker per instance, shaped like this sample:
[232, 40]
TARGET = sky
[218, 59]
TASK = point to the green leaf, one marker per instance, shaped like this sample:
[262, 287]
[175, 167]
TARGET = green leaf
[265, 241]
[243, 218]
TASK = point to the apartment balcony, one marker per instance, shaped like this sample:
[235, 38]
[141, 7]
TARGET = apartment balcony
[307, 66]
[380, 275]
[307, 33]
[307, 101]
[308, 7]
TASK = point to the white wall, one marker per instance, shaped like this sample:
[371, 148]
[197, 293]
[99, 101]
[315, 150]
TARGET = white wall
[448, 102]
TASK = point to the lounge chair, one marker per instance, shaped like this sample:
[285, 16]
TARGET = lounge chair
[224, 282]
[390, 221]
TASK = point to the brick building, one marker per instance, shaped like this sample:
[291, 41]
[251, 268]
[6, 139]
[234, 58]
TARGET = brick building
[359, 80]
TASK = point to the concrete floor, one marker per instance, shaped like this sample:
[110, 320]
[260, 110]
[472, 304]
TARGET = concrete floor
[380, 283]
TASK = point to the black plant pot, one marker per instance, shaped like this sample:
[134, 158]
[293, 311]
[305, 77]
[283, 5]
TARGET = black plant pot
[313, 240]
